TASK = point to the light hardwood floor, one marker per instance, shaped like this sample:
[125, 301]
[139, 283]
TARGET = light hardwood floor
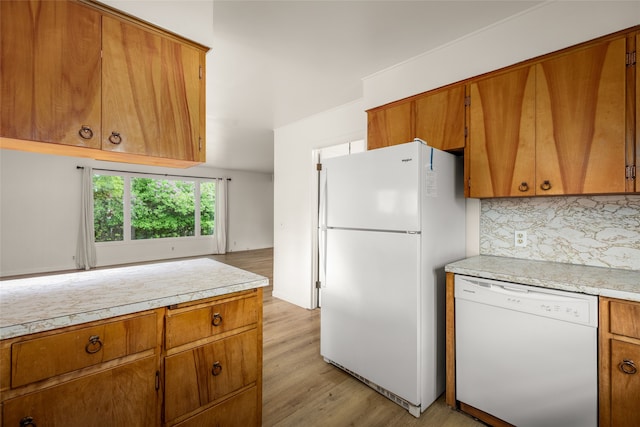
[301, 389]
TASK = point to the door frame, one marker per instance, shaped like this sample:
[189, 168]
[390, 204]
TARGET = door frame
[318, 154]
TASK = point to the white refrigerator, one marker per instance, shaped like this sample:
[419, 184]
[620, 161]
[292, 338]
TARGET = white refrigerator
[390, 219]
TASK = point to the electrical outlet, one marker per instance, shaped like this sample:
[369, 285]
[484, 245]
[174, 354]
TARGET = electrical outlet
[520, 238]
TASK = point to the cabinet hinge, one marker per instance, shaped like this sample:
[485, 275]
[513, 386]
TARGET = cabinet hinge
[318, 167]
[318, 284]
[630, 172]
[157, 380]
[466, 131]
[631, 59]
[200, 143]
[467, 101]
[200, 72]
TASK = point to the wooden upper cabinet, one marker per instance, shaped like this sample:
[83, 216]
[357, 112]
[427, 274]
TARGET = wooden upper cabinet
[557, 126]
[580, 121]
[390, 125]
[50, 72]
[79, 78]
[437, 117]
[633, 143]
[152, 90]
[501, 145]
[440, 118]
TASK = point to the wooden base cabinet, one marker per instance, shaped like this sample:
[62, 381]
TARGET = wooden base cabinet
[619, 363]
[213, 362]
[102, 373]
[125, 395]
[192, 364]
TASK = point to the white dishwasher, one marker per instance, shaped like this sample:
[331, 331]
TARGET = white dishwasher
[527, 355]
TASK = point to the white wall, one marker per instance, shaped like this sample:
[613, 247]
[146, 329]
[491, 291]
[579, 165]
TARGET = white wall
[40, 210]
[293, 201]
[545, 28]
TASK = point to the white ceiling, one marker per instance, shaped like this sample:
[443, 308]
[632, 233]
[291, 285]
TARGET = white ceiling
[275, 62]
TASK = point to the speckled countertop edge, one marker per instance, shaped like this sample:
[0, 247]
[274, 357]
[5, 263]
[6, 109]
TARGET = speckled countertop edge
[42, 303]
[608, 282]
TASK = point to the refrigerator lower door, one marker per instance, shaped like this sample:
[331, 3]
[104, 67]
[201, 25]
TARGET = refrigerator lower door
[370, 308]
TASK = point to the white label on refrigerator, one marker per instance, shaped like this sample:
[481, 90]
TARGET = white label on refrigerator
[431, 184]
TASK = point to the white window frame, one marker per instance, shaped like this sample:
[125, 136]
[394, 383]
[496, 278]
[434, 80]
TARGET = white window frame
[126, 200]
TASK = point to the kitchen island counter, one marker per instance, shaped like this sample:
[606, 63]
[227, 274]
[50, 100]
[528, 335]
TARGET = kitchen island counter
[609, 282]
[37, 304]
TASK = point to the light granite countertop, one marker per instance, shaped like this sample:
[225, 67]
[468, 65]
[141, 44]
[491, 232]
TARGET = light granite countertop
[608, 282]
[42, 303]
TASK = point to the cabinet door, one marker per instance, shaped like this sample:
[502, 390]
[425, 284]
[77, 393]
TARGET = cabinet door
[390, 125]
[200, 376]
[625, 384]
[50, 79]
[125, 395]
[440, 118]
[580, 121]
[151, 93]
[502, 135]
[240, 410]
[634, 146]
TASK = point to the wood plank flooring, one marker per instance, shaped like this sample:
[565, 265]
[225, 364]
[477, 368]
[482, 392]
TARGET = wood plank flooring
[301, 389]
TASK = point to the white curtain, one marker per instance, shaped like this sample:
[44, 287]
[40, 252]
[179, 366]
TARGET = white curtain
[220, 231]
[86, 250]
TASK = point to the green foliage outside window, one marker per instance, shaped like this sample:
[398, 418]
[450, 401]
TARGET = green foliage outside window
[108, 212]
[207, 207]
[159, 208]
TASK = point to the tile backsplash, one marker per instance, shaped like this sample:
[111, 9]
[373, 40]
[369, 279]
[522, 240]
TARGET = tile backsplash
[601, 231]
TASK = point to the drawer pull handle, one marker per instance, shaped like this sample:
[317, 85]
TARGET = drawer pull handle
[94, 345]
[217, 319]
[115, 138]
[85, 132]
[523, 186]
[628, 367]
[546, 185]
[27, 421]
[216, 369]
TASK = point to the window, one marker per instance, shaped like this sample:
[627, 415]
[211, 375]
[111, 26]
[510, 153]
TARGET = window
[131, 207]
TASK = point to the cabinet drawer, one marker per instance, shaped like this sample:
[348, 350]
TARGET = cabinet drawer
[122, 396]
[625, 318]
[191, 324]
[41, 358]
[197, 377]
[240, 410]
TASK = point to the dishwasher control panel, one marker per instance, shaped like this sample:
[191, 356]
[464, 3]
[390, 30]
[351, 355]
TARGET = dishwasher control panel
[562, 305]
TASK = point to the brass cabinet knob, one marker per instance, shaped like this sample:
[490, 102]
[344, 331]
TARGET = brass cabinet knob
[85, 132]
[546, 185]
[27, 421]
[94, 345]
[523, 186]
[115, 138]
[628, 367]
[216, 369]
[217, 319]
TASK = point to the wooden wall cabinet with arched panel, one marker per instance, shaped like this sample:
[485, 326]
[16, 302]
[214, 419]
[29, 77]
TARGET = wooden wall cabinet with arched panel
[555, 126]
[82, 79]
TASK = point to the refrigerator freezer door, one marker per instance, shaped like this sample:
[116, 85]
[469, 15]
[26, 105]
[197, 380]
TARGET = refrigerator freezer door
[376, 189]
[370, 307]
